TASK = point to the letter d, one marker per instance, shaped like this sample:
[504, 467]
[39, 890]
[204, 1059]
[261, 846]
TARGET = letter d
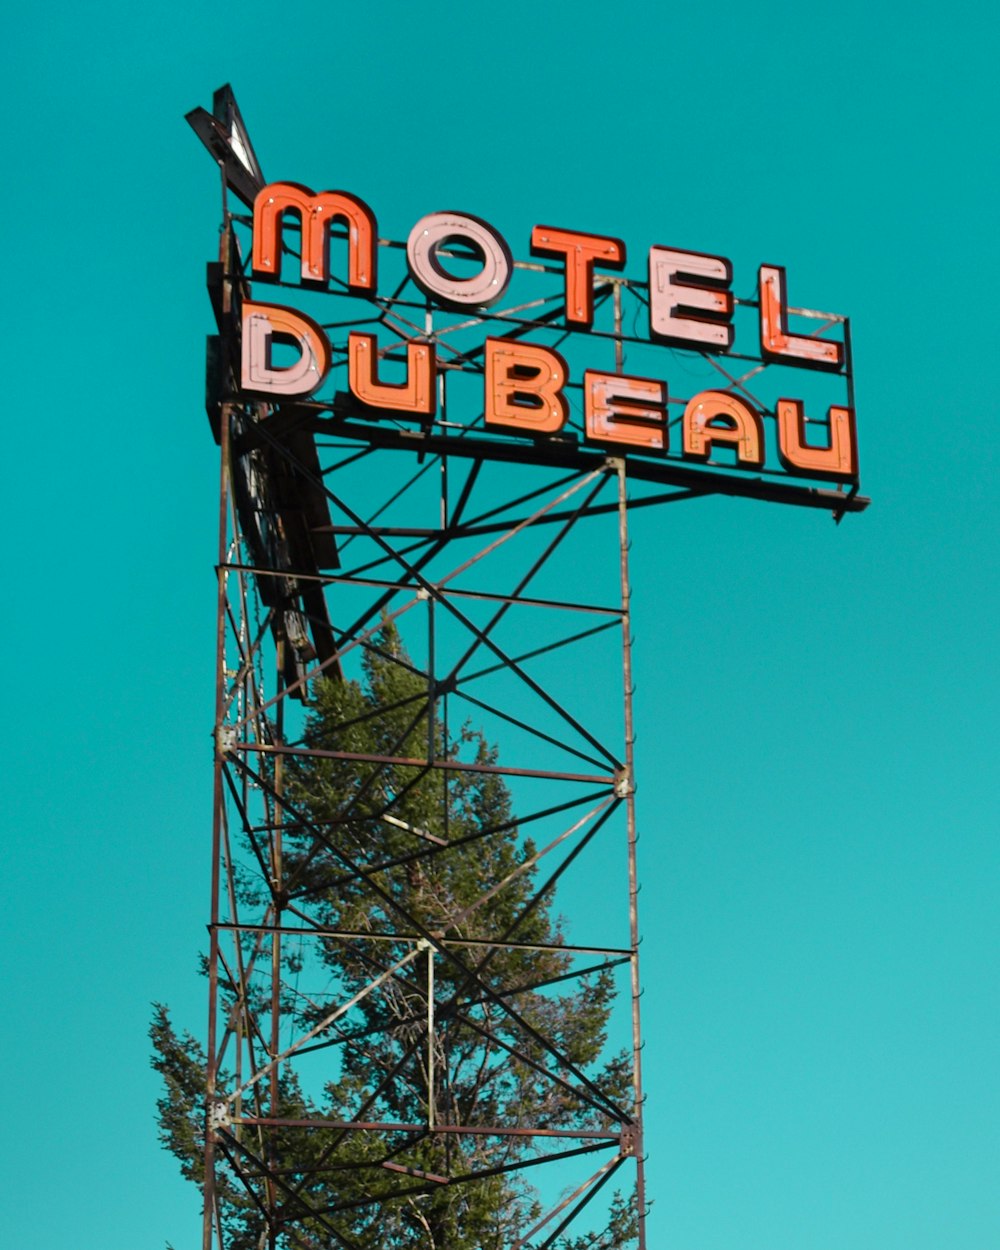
[262, 324]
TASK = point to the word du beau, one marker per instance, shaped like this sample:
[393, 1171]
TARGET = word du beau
[690, 306]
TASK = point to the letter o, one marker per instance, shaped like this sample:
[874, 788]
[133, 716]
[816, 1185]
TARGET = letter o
[436, 229]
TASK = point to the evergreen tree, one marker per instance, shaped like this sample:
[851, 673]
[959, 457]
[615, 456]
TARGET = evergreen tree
[395, 854]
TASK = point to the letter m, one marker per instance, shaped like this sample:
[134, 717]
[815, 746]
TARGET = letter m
[315, 212]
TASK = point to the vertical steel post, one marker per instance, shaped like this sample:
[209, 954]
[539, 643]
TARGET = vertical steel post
[619, 345]
[430, 1036]
[277, 886]
[627, 789]
[208, 1219]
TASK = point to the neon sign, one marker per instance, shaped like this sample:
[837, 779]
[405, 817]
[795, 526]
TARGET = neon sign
[690, 306]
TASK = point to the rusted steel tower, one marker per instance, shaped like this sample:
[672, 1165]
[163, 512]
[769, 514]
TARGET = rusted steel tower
[371, 511]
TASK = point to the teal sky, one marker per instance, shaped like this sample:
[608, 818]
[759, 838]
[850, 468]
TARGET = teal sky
[817, 705]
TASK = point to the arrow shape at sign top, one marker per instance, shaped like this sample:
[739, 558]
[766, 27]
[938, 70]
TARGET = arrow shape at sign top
[224, 133]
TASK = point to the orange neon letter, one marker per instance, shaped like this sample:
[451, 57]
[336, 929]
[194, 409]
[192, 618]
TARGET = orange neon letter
[315, 212]
[839, 459]
[524, 387]
[630, 411]
[776, 344]
[742, 431]
[689, 300]
[415, 395]
[262, 324]
[580, 253]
